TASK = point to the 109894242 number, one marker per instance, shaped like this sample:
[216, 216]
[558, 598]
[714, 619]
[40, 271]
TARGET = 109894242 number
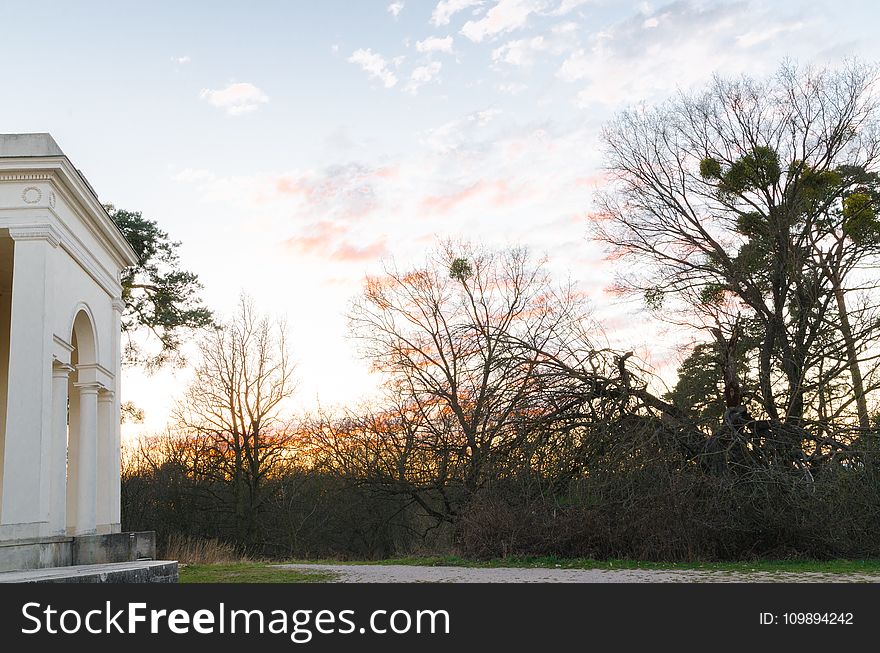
[809, 618]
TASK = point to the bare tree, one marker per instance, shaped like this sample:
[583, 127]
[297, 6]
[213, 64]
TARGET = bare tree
[753, 205]
[234, 405]
[459, 340]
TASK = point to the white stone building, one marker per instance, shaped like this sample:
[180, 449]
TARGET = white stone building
[61, 258]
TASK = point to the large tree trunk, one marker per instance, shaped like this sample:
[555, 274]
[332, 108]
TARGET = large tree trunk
[765, 371]
[793, 370]
[851, 354]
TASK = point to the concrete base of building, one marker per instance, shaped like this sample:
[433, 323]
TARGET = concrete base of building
[43, 553]
[139, 571]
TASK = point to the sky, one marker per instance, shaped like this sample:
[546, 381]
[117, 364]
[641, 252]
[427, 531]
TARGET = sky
[292, 147]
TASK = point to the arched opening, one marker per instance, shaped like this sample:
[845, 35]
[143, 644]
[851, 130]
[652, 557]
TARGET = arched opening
[82, 443]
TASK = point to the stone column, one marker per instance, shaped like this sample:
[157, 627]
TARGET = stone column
[5, 313]
[116, 457]
[72, 454]
[87, 459]
[58, 450]
[25, 508]
[108, 461]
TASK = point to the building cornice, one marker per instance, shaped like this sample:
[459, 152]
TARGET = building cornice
[46, 232]
[96, 373]
[69, 182]
[59, 234]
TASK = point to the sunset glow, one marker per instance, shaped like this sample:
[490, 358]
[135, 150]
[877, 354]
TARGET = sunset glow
[294, 147]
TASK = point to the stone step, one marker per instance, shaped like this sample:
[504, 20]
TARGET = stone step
[139, 571]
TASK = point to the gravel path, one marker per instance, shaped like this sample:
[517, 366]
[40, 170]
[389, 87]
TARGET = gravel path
[415, 574]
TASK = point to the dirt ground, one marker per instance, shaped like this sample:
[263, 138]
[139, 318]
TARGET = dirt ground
[415, 574]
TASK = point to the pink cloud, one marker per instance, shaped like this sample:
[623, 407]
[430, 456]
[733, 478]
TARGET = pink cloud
[593, 180]
[445, 203]
[388, 172]
[318, 238]
[347, 191]
[348, 252]
[498, 193]
[507, 196]
[288, 185]
[330, 240]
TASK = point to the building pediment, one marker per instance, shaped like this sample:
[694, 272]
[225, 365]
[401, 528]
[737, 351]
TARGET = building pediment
[44, 179]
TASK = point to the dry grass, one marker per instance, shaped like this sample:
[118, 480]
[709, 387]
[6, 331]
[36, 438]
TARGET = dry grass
[196, 551]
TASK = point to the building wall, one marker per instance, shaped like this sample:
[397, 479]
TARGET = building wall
[84, 271]
[69, 270]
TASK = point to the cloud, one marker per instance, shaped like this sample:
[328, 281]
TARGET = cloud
[568, 5]
[395, 8]
[236, 98]
[576, 67]
[498, 193]
[505, 16]
[757, 36]
[519, 53]
[456, 134]
[484, 117]
[333, 241]
[345, 191]
[680, 44]
[181, 60]
[484, 174]
[375, 65]
[523, 52]
[347, 252]
[316, 237]
[435, 44]
[512, 88]
[422, 75]
[446, 9]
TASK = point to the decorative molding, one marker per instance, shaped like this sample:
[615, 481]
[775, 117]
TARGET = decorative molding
[45, 232]
[31, 195]
[52, 199]
[74, 246]
[63, 344]
[91, 387]
[96, 217]
[97, 367]
[60, 369]
[118, 305]
[72, 188]
[25, 177]
[105, 395]
[89, 263]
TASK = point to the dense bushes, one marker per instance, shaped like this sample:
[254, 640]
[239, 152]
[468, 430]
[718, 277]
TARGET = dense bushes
[685, 515]
[305, 515]
[660, 510]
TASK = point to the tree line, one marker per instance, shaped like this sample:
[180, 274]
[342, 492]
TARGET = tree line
[508, 427]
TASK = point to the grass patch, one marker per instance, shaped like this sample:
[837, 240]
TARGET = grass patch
[822, 566]
[198, 551]
[264, 572]
[249, 572]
